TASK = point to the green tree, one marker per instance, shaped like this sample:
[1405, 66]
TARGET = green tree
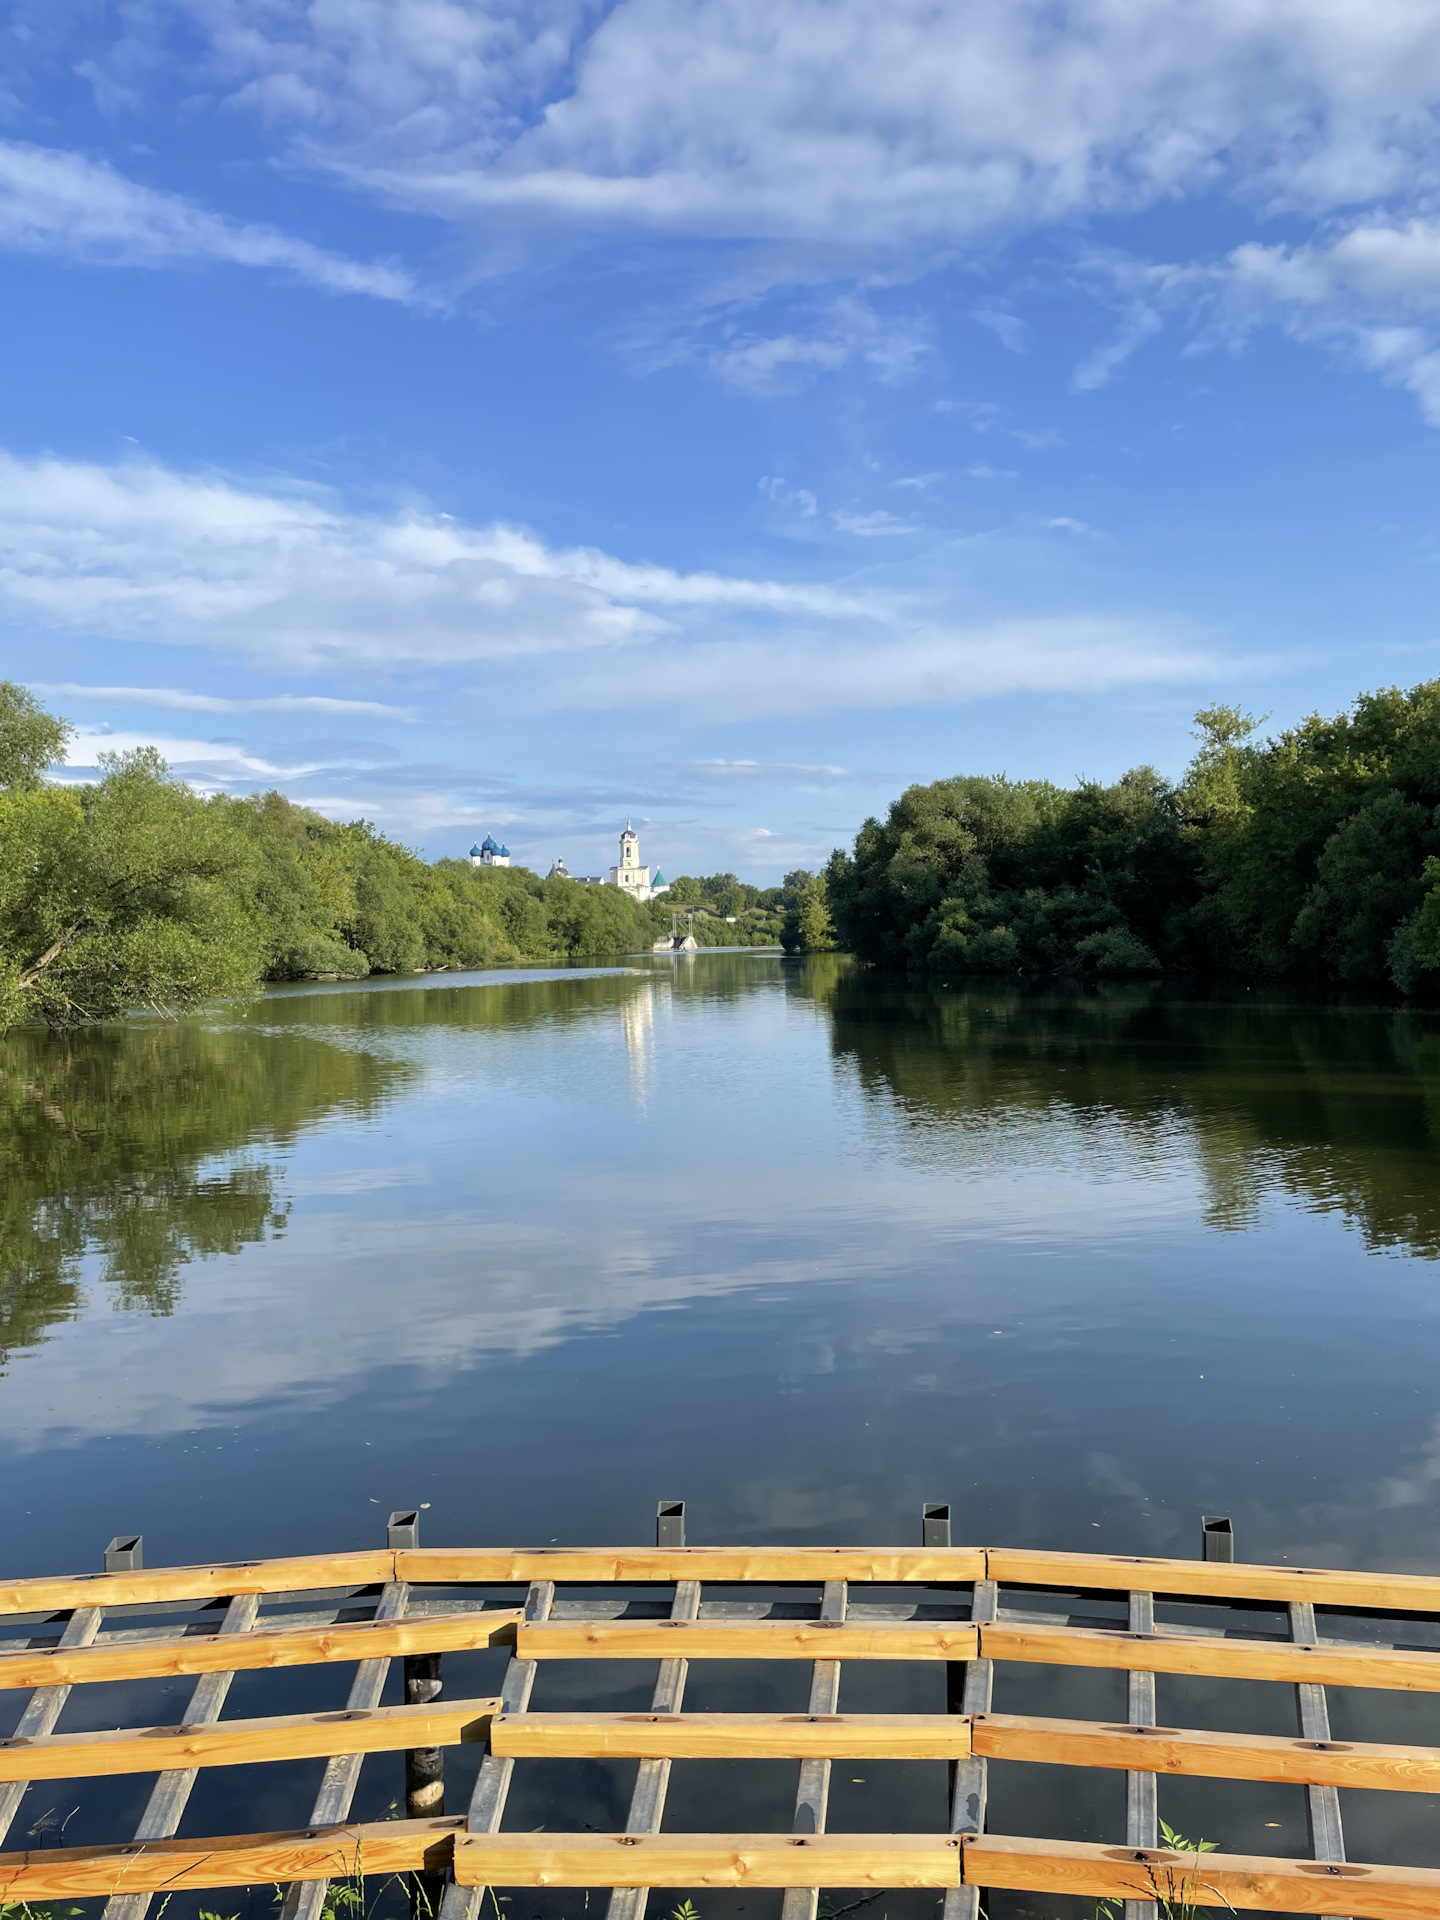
[131, 893]
[806, 925]
[30, 739]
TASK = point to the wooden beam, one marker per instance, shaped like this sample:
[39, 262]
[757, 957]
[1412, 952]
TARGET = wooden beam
[1392, 1592]
[706, 1860]
[232, 1743]
[1387, 1668]
[229, 1860]
[1322, 1586]
[300, 1575]
[1246, 1882]
[427, 1566]
[731, 1736]
[269, 1647]
[746, 1640]
[1219, 1756]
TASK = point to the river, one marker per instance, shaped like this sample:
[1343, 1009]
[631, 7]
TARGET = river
[533, 1250]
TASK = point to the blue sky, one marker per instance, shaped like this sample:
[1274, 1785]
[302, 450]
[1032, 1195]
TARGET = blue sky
[517, 417]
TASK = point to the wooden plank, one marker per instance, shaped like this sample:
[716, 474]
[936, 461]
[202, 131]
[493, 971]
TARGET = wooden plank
[43, 1710]
[812, 1793]
[234, 1743]
[652, 1777]
[1321, 1586]
[706, 1860]
[171, 1793]
[492, 1783]
[270, 1647]
[227, 1860]
[730, 1736]
[1247, 1882]
[1222, 1756]
[1386, 1668]
[301, 1574]
[746, 1640]
[1241, 1580]
[663, 1566]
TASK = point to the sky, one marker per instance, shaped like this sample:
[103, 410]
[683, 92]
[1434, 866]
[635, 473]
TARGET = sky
[519, 416]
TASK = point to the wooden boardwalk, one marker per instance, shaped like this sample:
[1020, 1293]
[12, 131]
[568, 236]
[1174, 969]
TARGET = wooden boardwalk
[968, 1608]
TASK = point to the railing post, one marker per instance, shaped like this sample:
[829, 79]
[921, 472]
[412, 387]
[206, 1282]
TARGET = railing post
[1217, 1537]
[125, 1553]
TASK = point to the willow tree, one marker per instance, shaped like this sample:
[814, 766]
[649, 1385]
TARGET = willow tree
[126, 894]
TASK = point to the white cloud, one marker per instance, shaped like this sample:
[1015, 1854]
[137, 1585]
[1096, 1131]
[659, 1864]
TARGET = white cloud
[864, 122]
[984, 416]
[848, 332]
[1369, 289]
[765, 773]
[869, 525]
[294, 582]
[177, 700]
[89, 743]
[781, 494]
[1008, 328]
[1099, 367]
[1372, 289]
[222, 762]
[61, 203]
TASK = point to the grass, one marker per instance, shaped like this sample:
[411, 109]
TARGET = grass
[1178, 1895]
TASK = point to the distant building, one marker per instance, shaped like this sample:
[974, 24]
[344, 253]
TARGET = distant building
[489, 853]
[559, 871]
[630, 875]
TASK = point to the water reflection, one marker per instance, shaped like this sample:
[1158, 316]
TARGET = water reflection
[143, 1146]
[832, 1245]
[1336, 1107]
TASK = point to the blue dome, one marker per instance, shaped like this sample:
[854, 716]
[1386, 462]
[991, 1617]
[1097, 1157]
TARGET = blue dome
[488, 845]
[474, 853]
[504, 853]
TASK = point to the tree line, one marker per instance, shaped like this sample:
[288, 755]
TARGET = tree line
[1310, 856]
[136, 891]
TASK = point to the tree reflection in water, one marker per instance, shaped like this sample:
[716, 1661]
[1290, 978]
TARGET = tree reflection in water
[143, 1146]
[1337, 1106]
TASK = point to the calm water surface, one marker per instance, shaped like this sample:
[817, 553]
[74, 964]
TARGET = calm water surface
[805, 1250]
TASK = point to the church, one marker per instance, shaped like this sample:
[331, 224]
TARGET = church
[489, 853]
[628, 874]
